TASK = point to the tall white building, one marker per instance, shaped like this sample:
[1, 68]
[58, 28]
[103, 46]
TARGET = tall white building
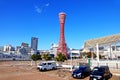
[53, 49]
[34, 43]
[8, 48]
[74, 53]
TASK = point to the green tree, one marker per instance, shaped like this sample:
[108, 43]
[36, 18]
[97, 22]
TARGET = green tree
[60, 57]
[89, 55]
[80, 56]
[46, 57]
[100, 56]
[36, 57]
[83, 54]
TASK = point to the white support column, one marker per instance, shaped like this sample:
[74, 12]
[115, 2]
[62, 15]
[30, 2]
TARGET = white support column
[92, 55]
[110, 52]
[94, 49]
[97, 50]
[115, 46]
[115, 51]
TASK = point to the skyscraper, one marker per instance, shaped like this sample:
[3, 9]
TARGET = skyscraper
[34, 43]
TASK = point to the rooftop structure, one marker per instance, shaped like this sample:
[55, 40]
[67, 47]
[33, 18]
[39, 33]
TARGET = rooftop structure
[107, 41]
[103, 40]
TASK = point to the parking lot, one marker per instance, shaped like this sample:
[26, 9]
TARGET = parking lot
[11, 71]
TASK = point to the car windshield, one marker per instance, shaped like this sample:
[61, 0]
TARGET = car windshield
[77, 70]
[80, 69]
[98, 70]
[41, 64]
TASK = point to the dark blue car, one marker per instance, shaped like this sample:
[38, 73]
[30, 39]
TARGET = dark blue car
[100, 73]
[81, 72]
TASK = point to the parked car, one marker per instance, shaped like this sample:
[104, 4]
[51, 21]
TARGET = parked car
[100, 73]
[47, 65]
[81, 72]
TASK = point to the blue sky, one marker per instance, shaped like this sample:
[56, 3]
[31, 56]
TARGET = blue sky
[86, 19]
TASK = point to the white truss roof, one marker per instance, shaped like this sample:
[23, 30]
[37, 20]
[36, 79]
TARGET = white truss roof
[103, 40]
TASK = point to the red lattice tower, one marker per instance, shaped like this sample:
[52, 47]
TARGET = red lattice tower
[62, 48]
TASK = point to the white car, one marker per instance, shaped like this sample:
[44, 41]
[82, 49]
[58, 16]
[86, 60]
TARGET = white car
[47, 65]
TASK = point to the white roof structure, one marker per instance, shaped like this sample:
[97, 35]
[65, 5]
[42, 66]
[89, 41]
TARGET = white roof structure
[102, 41]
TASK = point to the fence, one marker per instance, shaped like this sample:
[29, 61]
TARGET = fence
[114, 64]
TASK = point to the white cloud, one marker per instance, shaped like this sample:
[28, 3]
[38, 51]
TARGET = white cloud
[47, 4]
[38, 10]
[41, 8]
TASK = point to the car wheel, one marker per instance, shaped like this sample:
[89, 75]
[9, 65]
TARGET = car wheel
[82, 76]
[39, 69]
[45, 69]
[53, 68]
[110, 75]
[104, 79]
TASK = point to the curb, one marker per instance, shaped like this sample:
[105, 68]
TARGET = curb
[116, 74]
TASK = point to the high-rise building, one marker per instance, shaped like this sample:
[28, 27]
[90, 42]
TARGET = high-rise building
[34, 43]
[25, 44]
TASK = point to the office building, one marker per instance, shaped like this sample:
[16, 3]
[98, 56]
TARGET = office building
[25, 44]
[34, 43]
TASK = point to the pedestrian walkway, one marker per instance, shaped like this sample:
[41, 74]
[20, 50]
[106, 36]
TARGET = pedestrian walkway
[115, 72]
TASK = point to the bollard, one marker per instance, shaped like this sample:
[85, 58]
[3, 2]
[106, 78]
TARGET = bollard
[98, 64]
[88, 62]
[117, 65]
[106, 64]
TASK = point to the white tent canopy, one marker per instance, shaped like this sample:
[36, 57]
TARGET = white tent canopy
[102, 41]
[108, 40]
